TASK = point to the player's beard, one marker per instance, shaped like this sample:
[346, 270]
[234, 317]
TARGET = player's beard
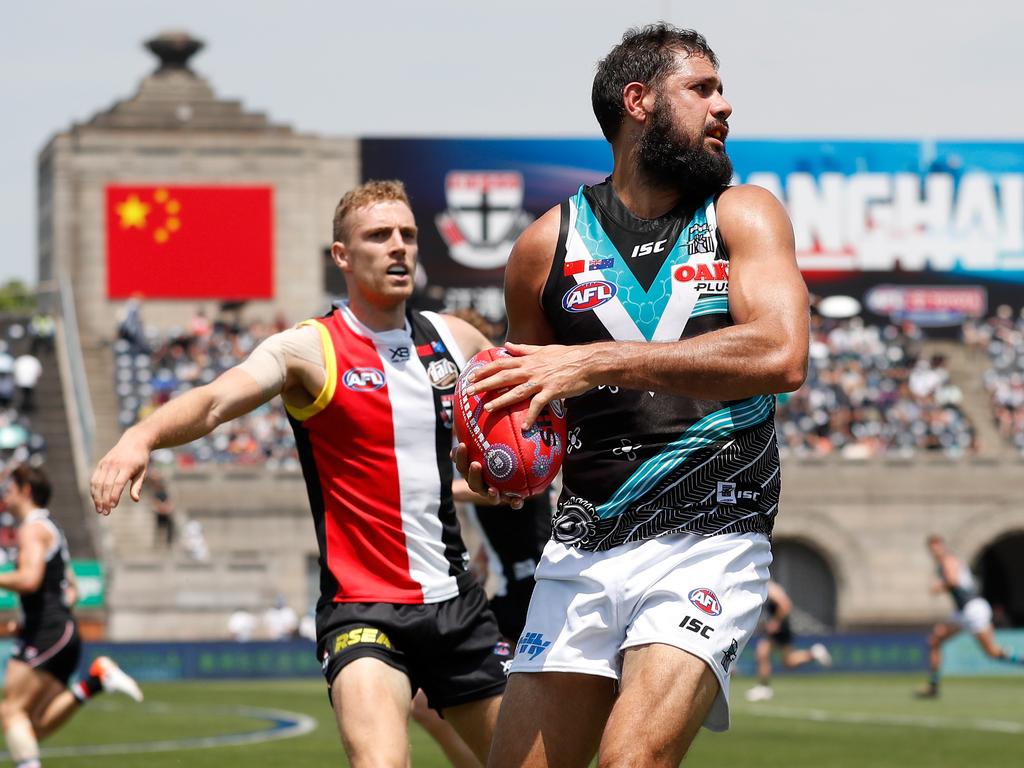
[670, 160]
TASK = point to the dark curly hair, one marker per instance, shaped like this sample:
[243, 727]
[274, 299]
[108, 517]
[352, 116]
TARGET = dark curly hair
[645, 55]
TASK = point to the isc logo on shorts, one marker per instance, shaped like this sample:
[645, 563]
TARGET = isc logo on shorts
[587, 296]
[706, 600]
[363, 379]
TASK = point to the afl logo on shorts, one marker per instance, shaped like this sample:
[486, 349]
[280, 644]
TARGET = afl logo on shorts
[706, 600]
[363, 379]
[587, 296]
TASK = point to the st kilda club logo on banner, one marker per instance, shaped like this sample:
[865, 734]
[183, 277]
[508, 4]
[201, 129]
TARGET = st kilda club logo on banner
[484, 216]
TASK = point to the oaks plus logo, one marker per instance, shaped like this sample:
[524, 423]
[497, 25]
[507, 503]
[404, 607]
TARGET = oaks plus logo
[363, 379]
[587, 296]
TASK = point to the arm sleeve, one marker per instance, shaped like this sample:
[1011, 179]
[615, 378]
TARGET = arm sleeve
[268, 363]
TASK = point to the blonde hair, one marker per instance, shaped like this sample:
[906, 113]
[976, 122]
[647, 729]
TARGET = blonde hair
[367, 193]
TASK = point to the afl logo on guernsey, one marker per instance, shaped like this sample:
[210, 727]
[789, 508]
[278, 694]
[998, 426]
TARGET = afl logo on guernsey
[706, 600]
[363, 379]
[587, 296]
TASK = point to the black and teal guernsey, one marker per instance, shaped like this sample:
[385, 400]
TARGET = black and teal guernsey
[645, 464]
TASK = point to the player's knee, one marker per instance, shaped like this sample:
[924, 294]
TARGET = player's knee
[10, 710]
[641, 753]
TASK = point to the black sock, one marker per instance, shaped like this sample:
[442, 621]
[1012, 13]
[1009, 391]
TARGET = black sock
[86, 688]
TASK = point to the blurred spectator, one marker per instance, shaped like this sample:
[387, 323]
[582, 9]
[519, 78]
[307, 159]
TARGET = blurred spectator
[41, 329]
[194, 542]
[199, 326]
[280, 621]
[241, 625]
[163, 511]
[27, 370]
[307, 626]
[6, 376]
[870, 392]
[130, 327]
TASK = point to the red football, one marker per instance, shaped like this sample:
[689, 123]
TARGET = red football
[515, 463]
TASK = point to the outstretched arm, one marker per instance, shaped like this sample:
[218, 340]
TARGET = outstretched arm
[765, 351]
[281, 364]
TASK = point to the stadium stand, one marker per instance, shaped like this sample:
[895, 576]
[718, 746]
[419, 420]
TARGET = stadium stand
[40, 433]
[1001, 339]
[870, 391]
[149, 373]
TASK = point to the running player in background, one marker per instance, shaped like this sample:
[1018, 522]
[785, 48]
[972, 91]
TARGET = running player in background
[368, 389]
[972, 613]
[657, 569]
[37, 699]
[779, 634]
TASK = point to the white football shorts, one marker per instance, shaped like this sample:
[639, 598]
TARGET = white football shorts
[975, 616]
[700, 594]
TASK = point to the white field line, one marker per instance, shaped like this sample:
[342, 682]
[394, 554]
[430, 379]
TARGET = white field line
[283, 725]
[862, 718]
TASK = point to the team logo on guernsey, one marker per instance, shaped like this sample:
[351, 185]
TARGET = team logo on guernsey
[447, 410]
[485, 215]
[706, 600]
[363, 379]
[587, 296]
[700, 239]
[442, 373]
[573, 522]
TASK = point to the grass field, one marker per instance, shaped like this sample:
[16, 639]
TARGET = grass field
[814, 720]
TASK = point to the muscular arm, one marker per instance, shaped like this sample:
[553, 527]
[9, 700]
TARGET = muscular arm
[33, 541]
[950, 572]
[764, 352]
[275, 369]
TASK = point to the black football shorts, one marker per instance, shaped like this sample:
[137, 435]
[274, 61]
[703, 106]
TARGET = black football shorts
[451, 650]
[55, 648]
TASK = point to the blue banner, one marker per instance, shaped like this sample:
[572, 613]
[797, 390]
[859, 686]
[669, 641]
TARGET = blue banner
[923, 230]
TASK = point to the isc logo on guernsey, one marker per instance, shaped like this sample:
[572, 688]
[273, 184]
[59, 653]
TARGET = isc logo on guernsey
[363, 379]
[585, 296]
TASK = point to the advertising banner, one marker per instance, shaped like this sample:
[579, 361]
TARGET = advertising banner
[88, 574]
[926, 231]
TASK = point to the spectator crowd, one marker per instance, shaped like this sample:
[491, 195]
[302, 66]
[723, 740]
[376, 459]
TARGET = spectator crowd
[870, 391]
[1001, 339]
[151, 368]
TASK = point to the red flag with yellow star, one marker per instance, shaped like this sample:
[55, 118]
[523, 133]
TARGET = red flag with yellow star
[175, 242]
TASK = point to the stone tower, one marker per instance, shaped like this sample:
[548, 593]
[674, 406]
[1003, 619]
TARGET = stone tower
[175, 130]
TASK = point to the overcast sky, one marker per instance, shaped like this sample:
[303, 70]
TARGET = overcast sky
[832, 68]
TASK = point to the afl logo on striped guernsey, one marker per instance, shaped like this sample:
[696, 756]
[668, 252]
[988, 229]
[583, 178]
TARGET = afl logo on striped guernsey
[363, 379]
[589, 295]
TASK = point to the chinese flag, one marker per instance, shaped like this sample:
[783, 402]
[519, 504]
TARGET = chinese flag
[169, 242]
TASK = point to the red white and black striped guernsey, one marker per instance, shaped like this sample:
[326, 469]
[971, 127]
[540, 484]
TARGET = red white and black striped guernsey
[374, 449]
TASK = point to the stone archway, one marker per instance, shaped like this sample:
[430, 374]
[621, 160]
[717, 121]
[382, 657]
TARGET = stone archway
[808, 577]
[1000, 568]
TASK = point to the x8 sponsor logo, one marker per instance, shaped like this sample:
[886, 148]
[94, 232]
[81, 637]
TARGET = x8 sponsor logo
[587, 296]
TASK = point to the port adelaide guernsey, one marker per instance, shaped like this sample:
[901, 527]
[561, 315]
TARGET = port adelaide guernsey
[645, 464]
